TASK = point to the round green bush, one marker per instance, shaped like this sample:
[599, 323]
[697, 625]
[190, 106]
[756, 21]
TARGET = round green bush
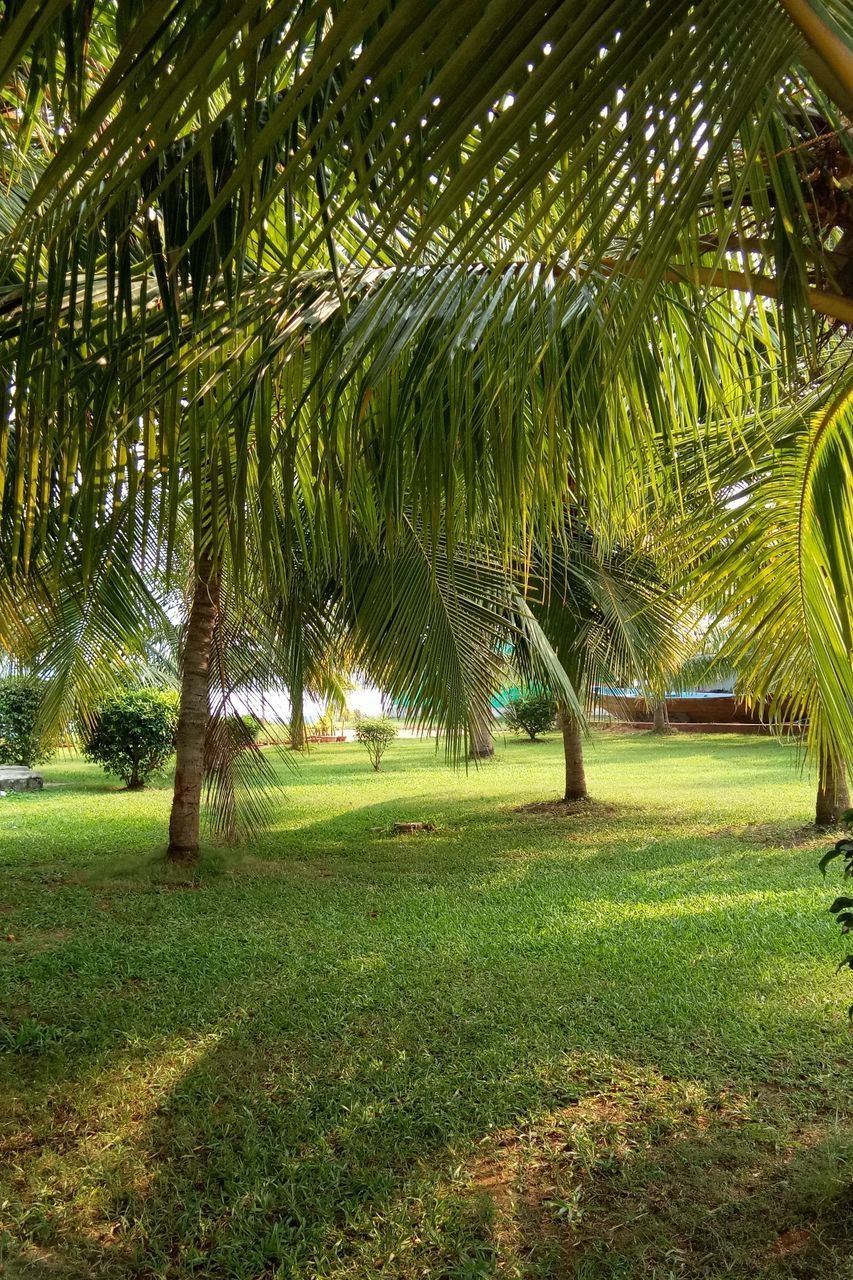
[533, 712]
[133, 734]
[20, 700]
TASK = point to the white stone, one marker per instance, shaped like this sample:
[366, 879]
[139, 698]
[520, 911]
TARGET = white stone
[17, 777]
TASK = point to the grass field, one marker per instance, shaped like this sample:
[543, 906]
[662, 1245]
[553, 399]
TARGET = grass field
[608, 1046]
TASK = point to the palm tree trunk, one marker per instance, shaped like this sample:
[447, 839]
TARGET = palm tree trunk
[296, 728]
[296, 693]
[832, 796]
[660, 716]
[193, 716]
[573, 752]
[482, 746]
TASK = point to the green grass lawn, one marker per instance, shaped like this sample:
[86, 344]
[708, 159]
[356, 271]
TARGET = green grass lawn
[604, 1046]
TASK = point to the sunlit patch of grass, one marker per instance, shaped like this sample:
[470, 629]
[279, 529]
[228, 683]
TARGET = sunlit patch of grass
[605, 1045]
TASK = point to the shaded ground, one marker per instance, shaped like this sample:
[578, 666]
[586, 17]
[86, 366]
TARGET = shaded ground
[533, 1045]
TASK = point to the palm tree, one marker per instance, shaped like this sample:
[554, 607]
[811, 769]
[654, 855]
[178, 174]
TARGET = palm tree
[833, 796]
[159, 286]
[612, 619]
[240, 516]
[660, 716]
[482, 742]
[771, 562]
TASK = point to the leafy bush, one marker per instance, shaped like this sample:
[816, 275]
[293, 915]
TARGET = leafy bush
[531, 713]
[375, 733]
[20, 699]
[133, 734]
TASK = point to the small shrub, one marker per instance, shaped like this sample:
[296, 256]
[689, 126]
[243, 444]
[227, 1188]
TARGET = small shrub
[375, 733]
[20, 700]
[325, 723]
[531, 713]
[133, 734]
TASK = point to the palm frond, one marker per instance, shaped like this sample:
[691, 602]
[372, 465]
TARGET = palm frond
[610, 615]
[774, 559]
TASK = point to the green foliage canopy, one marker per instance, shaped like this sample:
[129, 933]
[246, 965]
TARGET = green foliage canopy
[531, 712]
[20, 739]
[133, 734]
[187, 197]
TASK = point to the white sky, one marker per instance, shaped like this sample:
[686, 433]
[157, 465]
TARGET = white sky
[364, 698]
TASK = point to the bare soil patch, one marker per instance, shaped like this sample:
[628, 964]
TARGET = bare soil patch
[773, 835]
[567, 809]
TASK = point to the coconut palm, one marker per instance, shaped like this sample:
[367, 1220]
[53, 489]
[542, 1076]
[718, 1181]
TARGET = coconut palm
[770, 561]
[459, 435]
[612, 619]
[176, 182]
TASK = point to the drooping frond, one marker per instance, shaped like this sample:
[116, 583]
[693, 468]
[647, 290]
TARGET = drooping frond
[774, 561]
[449, 393]
[92, 633]
[610, 615]
[293, 129]
[241, 784]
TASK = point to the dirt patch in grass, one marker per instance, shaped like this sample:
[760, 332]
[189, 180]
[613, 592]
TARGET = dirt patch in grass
[33, 1263]
[36, 940]
[567, 809]
[773, 835]
[657, 1173]
[536, 1179]
[790, 1242]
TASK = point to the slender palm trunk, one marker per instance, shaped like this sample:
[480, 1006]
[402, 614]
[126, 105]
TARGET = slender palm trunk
[573, 752]
[297, 720]
[660, 716]
[833, 798]
[481, 746]
[193, 716]
[296, 692]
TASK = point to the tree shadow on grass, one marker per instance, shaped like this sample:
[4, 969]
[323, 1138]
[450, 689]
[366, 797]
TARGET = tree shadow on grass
[384, 1154]
[292, 1103]
[624, 852]
[654, 1176]
[302, 898]
[311, 1066]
